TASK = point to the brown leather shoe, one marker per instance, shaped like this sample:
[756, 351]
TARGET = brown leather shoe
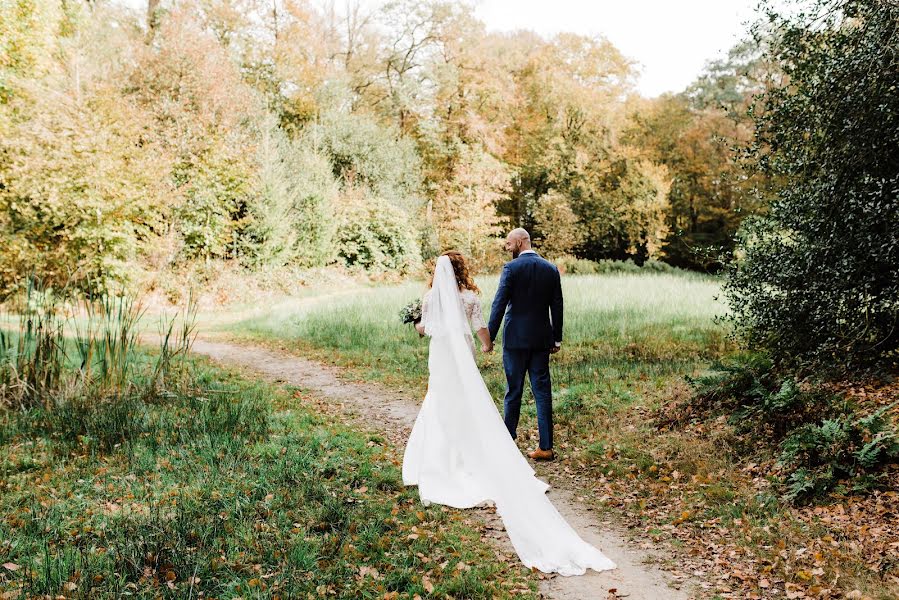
[539, 454]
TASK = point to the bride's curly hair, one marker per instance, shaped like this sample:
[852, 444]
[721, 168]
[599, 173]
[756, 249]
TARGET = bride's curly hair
[460, 268]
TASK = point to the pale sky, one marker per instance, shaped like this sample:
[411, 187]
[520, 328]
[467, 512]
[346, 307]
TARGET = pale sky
[670, 39]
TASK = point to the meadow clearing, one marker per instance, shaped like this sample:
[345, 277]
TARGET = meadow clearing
[154, 475]
[631, 342]
[618, 328]
[287, 168]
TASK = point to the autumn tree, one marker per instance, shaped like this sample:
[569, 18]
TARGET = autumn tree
[561, 229]
[698, 135]
[203, 115]
[80, 189]
[463, 212]
[287, 133]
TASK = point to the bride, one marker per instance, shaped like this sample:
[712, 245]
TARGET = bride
[460, 453]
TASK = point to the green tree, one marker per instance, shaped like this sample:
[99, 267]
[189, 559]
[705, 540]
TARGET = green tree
[374, 235]
[291, 211]
[815, 280]
[366, 154]
[216, 194]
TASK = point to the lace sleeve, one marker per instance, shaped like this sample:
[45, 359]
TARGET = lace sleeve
[425, 301]
[473, 310]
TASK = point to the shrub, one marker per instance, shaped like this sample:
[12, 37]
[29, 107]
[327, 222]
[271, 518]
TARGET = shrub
[822, 441]
[375, 236]
[582, 266]
[758, 402]
[658, 266]
[617, 266]
[575, 266]
[214, 203]
[845, 452]
[815, 281]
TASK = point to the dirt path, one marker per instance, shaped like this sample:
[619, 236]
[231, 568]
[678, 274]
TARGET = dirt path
[376, 407]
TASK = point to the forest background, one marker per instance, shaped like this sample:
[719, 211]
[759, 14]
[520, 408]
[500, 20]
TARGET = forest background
[140, 149]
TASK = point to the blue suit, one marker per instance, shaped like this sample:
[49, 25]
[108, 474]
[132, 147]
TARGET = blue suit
[529, 296]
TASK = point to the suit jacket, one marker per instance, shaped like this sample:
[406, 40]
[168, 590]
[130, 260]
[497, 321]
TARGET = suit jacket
[530, 297]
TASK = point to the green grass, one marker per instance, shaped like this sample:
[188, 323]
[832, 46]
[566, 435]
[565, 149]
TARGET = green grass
[628, 338]
[629, 341]
[227, 489]
[616, 327]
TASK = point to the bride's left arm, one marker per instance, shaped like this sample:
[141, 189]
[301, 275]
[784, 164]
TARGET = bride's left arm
[420, 326]
[477, 321]
[484, 336]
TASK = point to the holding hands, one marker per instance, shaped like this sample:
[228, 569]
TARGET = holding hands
[486, 342]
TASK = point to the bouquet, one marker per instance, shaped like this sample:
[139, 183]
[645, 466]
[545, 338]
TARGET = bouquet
[411, 313]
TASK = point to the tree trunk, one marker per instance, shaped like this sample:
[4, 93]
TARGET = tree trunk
[152, 17]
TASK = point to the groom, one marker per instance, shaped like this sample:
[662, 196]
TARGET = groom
[530, 297]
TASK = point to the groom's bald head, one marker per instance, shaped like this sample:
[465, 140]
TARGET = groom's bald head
[517, 241]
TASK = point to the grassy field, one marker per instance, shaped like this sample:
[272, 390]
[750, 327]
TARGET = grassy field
[630, 340]
[220, 489]
[617, 327]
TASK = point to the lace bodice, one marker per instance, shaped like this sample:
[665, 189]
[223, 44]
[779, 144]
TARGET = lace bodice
[471, 302]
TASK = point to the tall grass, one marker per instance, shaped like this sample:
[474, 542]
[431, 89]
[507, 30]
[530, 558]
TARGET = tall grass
[615, 305]
[105, 340]
[175, 339]
[54, 348]
[32, 356]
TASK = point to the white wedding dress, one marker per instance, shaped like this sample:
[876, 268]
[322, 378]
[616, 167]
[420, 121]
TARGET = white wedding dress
[460, 453]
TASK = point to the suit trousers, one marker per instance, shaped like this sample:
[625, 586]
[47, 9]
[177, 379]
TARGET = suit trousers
[517, 363]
